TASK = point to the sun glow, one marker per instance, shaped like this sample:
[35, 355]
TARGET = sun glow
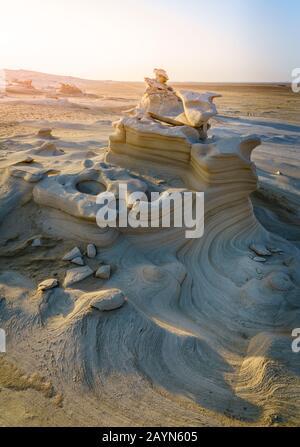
[124, 39]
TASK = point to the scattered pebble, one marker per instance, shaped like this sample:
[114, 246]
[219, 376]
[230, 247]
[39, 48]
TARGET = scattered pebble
[258, 259]
[78, 260]
[91, 251]
[275, 250]
[260, 250]
[74, 253]
[103, 272]
[48, 284]
[45, 133]
[109, 300]
[77, 274]
[36, 243]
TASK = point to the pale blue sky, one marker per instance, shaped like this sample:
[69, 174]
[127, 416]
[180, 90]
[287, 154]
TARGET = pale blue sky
[197, 40]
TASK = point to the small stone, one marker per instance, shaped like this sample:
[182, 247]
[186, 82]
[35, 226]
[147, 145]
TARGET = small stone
[108, 300]
[259, 271]
[48, 284]
[278, 173]
[78, 260]
[77, 274]
[45, 133]
[103, 272]
[91, 251]
[36, 243]
[257, 259]
[74, 253]
[28, 159]
[275, 250]
[260, 250]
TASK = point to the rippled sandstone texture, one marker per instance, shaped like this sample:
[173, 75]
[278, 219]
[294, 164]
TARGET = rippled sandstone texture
[204, 335]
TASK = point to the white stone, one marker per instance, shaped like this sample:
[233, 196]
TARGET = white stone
[78, 260]
[91, 250]
[162, 102]
[103, 272]
[198, 107]
[48, 284]
[74, 253]
[108, 300]
[36, 243]
[77, 274]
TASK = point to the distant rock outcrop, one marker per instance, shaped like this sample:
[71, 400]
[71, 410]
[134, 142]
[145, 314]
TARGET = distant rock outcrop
[27, 83]
[69, 89]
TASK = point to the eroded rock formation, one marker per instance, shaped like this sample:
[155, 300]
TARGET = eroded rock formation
[203, 319]
[69, 90]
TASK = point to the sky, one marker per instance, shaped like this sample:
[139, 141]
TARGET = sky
[194, 40]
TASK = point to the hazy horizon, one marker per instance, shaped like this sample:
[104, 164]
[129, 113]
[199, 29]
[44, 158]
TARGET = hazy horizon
[187, 81]
[238, 41]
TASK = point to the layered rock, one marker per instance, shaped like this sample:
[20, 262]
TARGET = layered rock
[165, 124]
[204, 319]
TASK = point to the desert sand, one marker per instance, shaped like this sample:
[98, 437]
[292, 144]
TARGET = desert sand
[199, 332]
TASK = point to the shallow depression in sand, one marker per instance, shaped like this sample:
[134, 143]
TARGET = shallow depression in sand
[90, 187]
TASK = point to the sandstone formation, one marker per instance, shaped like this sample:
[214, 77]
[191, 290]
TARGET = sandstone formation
[69, 90]
[208, 321]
